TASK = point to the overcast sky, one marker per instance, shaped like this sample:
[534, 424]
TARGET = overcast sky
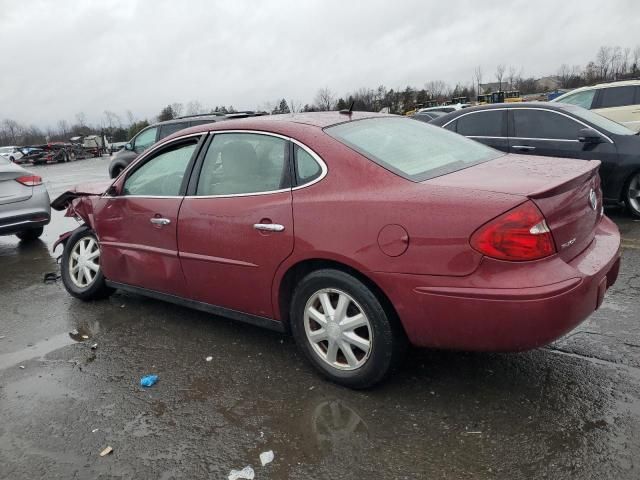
[63, 57]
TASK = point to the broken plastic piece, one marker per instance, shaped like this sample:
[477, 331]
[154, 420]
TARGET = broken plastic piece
[106, 451]
[246, 473]
[208, 359]
[148, 380]
[94, 346]
[95, 430]
[22, 367]
[266, 457]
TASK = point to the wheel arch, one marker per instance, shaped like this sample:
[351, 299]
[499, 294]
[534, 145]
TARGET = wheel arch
[290, 277]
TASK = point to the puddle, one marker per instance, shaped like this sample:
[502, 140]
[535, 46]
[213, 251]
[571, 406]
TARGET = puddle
[38, 350]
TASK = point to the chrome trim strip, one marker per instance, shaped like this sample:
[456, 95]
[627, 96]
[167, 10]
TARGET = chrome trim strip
[140, 248]
[209, 258]
[525, 138]
[528, 108]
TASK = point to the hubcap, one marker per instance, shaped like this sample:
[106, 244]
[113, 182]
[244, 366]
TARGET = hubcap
[84, 262]
[634, 192]
[338, 329]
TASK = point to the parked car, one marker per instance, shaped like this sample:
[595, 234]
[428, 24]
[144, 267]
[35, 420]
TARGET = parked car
[558, 130]
[445, 108]
[156, 132]
[427, 116]
[618, 101]
[11, 153]
[24, 202]
[356, 232]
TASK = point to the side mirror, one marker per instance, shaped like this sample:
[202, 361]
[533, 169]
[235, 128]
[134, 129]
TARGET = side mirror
[128, 146]
[113, 190]
[589, 135]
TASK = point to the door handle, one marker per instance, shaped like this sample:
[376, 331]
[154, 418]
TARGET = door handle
[524, 148]
[160, 221]
[269, 227]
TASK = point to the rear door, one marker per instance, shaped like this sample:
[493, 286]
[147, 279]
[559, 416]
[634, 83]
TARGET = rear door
[236, 225]
[485, 126]
[137, 229]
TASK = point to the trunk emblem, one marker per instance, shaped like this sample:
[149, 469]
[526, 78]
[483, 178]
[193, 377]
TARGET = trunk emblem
[593, 199]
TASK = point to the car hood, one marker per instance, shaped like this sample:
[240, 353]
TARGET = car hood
[83, 190]
[526, 175]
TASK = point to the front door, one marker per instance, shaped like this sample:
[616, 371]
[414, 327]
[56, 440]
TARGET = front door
[137, 228]
[236, 225]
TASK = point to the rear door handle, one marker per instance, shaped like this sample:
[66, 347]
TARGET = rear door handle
[269, 227]
[524, 148]
[160, 221]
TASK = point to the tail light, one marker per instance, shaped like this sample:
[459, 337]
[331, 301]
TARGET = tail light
[30, 180]
[520, 234]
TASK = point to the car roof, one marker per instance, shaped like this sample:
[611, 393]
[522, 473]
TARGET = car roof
[621, 83]
[284, 123]
[500, 106]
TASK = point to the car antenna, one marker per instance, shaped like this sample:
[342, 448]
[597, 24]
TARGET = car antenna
[348, 111]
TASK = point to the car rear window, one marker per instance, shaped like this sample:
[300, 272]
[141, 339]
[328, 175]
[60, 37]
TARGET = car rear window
[414, 150]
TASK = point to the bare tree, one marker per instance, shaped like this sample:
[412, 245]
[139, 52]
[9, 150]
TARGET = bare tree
[477, 74]
[325, 99]
[436, 89]
[12, 130]
[636, 58]
[194, 107]
[603, 58]
[81, 118]
[500, 75]
[625, 59]
[112, 119]
[63, 128]
[295, 106]
[130, 118]
[177, 109]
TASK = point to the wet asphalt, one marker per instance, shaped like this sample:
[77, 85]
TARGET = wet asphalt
[571, 410]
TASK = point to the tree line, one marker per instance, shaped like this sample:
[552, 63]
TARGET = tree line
[610, 64]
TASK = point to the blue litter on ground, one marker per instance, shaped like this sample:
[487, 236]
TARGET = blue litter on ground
[148, 380]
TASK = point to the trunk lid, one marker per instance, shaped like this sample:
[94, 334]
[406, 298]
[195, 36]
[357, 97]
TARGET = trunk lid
[10, 190]
[560, 187]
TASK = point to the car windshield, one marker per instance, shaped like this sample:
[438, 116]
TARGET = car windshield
[413, 150]
[600, 121]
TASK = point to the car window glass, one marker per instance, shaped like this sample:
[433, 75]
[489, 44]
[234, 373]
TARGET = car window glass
[145, 139]
[307, 169]
[243, 163]
[582, 99]
[481, 124]
[162, 175]
[616, 96]
[169, 128]
[453, 126]
[601, 122]
[544, 124]
[201, 122]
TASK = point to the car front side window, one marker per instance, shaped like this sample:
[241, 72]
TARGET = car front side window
[244, 163]
[162, 175]
[544, 124]
[481, 124]
[145, 139]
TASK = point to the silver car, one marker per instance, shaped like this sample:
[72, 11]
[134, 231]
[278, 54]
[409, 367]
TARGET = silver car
[24, 202]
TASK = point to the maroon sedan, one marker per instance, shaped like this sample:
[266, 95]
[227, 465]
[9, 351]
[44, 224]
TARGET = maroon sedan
[358, 232]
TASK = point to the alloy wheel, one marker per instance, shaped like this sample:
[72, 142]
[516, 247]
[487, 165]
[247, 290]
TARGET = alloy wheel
[338, 329]
[633, 193]
[84, 262]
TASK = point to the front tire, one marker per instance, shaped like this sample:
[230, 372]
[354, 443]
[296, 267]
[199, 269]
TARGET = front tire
[81, 271]
[30, 235]
[344, 330]
[632, 195]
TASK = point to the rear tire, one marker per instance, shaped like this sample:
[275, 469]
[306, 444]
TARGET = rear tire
[81, 271]
[344, 330]
[632, 195]
[30, 235]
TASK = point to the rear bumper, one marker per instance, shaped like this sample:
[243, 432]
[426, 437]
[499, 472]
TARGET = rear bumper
[505, 306]
[32, 213]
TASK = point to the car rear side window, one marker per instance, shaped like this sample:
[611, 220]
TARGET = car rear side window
[544, 124]
[414, 150]
[307, 168]
[169, 128]
[617, 96]
[244, 163]
[481, 124]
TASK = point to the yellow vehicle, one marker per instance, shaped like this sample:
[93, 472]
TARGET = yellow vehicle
[512, 96]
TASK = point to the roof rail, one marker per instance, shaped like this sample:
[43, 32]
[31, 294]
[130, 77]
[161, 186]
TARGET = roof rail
[217, 114]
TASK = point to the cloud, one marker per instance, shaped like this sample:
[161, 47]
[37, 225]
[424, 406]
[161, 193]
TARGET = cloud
[65, 57]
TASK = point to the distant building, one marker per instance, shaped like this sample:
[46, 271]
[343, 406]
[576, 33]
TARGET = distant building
[546, 84]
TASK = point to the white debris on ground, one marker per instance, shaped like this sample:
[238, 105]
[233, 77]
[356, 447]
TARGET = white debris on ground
[106, 451]
[208, 359]
[266, 457]
[246, 473]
